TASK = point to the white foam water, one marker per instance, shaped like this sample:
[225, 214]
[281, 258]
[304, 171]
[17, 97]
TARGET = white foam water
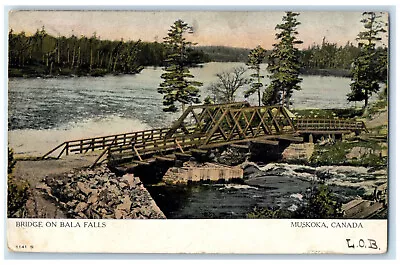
[29, 142]
[297, 196]
[237, 186]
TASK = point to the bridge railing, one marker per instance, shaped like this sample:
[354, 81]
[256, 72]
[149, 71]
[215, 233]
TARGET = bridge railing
[103, 142]
[310, 124]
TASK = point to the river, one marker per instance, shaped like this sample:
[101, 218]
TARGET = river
[44, 112]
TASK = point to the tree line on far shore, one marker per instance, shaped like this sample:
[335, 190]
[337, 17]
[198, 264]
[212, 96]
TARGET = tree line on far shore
[44, 54]
[328, 57]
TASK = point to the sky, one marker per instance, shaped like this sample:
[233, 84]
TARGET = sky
[236, 29]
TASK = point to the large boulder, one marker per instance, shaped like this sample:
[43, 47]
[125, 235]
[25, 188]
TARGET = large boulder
[359, 151]
[83, 188]
[82, 206]
[298, 153]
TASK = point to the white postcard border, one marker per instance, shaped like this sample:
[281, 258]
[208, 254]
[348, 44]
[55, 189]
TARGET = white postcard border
[237, 236]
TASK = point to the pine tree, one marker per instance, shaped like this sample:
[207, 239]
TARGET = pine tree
[383, 69]
[365, 71]
[320, 203]
[255, 58]
[176, 86]
[284, 63]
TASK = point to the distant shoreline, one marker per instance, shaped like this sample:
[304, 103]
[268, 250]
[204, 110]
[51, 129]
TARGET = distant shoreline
[326, 72]
[30, 73]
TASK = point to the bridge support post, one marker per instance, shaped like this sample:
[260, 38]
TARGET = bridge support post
[310, 138]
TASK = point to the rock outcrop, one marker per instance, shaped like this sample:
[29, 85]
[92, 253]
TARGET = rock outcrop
[230, 156]
[100, 194]
[194, 172]
[359, 151]
[298, 152]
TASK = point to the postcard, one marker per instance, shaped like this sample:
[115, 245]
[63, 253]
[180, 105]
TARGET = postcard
[246, 132]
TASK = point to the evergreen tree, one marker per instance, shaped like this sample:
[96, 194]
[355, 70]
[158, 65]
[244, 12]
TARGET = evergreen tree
[321, 203]
[284, 63]
[328, 56]
[383, 69]
[11, 161]
[208, 101]
[366, 73]
[255, 58]
[176, 86]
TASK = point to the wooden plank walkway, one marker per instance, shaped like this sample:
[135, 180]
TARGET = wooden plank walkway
[362, 209]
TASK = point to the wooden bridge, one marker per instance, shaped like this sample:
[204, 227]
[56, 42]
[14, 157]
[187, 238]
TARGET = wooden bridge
[204, 127]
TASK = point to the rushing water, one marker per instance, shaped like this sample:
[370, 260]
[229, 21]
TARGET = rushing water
[278, 187]
[229, 200]
[56, 102]
[45, 112]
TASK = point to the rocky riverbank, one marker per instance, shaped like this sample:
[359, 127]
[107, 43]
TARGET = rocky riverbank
[100, 194]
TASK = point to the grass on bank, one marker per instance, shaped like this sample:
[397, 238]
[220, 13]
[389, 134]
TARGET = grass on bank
[336, 154]
[347, 113]
[328, 113]
[17, 190]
